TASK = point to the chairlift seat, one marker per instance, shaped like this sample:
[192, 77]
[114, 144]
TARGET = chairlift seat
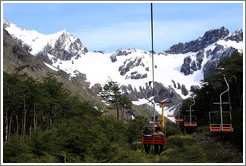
[171, 115]
[222, 103]
[188, 124]
[189, 110]
[153, 140]
[179, 120]
[215, 128]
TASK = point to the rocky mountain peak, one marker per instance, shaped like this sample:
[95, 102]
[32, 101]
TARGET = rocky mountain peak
[214, 35]
[65, 47]
[208, 38]
[235, 36]
[61, 45]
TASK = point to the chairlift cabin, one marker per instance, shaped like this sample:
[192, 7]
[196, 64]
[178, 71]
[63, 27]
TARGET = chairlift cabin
[221, 121]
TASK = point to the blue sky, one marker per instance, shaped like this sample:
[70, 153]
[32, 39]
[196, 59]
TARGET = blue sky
[109, 26]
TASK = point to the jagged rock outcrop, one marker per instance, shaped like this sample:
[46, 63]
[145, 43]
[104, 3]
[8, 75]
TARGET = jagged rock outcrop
[189, 65]
[235, 36]
[96, 88]
[184, 90]
[121, 52]
[61, 45]
[128, 64]
[65, 47]
[196, 45]
[185, 68]
[134, 58]
[217, 54]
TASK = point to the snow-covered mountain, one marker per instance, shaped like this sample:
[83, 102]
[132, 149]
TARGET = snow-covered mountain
[177, 69]
[62, 45]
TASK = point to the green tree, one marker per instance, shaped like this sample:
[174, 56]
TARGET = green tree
[111, 92]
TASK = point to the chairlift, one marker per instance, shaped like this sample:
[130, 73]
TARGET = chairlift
[222, 127]
[179, 118]
[190, 121]
[150, 138]
[151, 135]
[218, 128]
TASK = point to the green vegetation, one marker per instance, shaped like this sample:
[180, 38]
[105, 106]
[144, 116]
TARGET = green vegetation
[212, 87]
[43, 123]
[111, 92]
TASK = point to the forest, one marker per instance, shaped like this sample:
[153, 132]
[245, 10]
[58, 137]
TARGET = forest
[44, 123]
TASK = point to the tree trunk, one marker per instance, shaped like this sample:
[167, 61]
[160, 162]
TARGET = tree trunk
[24, 118]
[6, 127]
[30, 130]
[122, 114]
[10, 122]
[241, 103]
[34, 118]
[17, 124]
[118, 114]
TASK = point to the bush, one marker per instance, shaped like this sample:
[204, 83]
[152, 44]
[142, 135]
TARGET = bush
[16, 150]
[173, 129]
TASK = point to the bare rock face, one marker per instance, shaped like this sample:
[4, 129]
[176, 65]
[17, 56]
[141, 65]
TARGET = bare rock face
[189, 65]
[121, 52]
[218, 54]
[184, 90]
[96, 88]
[235, 36]
[185, 68]
[196, 45]
[66, 47]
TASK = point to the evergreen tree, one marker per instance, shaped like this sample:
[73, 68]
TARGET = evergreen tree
[111, 92]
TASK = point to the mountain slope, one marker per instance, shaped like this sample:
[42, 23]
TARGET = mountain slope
[178, 69]
[15, 56]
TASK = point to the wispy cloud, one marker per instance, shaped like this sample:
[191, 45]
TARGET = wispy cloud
[122, 35]
[137, 34]
[109, 26]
